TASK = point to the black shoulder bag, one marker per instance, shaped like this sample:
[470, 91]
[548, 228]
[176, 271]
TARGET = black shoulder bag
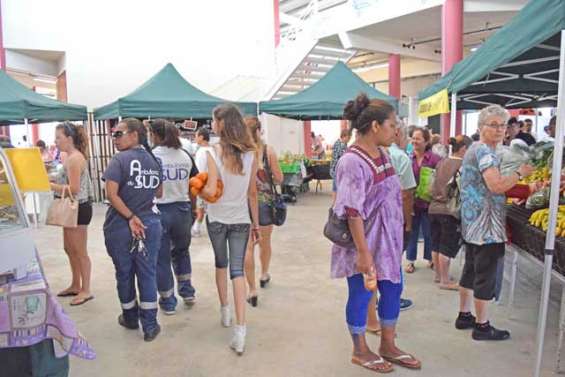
[273, 213]
[336, 228]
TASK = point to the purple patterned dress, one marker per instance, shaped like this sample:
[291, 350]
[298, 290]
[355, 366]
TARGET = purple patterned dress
[371, 191]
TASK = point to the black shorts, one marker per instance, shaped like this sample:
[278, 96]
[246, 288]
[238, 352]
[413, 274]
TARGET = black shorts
[446, 235]
[479, 272]
[84, 213]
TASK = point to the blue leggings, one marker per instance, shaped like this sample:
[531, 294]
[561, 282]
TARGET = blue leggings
[358, 303]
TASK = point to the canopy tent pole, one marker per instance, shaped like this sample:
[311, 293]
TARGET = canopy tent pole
[453, 120]
[553, 208]
[35, 220]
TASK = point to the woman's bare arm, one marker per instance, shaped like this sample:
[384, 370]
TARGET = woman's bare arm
[275, 167]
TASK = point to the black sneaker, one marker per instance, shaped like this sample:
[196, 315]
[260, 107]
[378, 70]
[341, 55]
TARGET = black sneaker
[130, 326]
[151, 335]
[406, 304]
[465, 322]
[489, 333]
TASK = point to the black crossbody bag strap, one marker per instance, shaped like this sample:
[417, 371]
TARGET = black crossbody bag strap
[269, 173]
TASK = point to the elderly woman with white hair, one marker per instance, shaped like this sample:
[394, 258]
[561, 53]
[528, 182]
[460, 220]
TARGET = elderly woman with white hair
[483, 222]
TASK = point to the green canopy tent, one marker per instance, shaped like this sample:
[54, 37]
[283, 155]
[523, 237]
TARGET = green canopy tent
[326, 98]
[516, 67]
[522, 65]
[167, 95]
[19, 104]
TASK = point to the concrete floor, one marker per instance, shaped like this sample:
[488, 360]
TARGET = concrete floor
[298, 328]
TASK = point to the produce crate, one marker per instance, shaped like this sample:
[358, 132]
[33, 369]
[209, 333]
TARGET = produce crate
[532, 239]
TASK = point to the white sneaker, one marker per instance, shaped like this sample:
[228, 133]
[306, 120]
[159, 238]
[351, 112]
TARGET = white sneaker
[238, 340]
[195, 232]
[226, 315]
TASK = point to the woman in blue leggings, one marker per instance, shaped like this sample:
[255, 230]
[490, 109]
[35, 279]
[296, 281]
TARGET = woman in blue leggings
[369, 197]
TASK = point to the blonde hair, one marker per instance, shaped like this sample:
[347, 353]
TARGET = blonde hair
[235, 138]
[254, 124]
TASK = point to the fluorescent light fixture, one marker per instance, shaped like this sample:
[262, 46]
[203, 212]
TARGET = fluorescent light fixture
[370, 67]
[47, 81]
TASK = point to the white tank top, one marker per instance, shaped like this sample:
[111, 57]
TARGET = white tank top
[232, 207]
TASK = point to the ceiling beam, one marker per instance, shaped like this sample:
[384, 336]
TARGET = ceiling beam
[291, 5]
[471, 6]
[359, 42]
[288, 19]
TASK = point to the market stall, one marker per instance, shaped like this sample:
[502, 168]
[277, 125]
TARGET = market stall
[165, 95]
[20, 105]
[36, 335]
[324, 100]
[521, 65]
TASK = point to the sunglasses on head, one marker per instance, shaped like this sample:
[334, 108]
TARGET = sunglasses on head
[118, 134]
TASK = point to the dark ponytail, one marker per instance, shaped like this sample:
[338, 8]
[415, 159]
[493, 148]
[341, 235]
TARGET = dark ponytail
[362, 112]
[459, 142]
[78, 134]
[167, 132]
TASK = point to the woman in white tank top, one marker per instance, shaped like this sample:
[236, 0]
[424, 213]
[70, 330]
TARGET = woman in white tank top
[229, 219]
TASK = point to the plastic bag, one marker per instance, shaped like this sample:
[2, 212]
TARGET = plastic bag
[511, 158]
[539, 199]
[424, 189]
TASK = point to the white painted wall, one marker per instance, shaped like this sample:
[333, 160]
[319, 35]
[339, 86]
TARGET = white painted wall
[284, 135]
[26, 63]
[329, 129]
[114, 46]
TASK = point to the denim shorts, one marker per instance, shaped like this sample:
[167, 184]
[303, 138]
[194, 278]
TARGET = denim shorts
[232, 238]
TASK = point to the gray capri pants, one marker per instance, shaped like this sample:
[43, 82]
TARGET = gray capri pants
[236, 237]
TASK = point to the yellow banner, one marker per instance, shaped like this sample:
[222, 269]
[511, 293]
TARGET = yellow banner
[435, 104]
[29, 169]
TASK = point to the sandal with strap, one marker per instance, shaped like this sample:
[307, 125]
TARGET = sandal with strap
[410, 268]
[376, 331]
[374, 365]
[404, 361]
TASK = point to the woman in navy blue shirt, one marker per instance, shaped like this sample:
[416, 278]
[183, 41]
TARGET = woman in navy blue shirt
[132, 229]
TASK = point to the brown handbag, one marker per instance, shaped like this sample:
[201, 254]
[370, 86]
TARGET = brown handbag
[63, 211]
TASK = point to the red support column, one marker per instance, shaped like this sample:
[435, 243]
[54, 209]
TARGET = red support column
[277, 23]
[307, 126]
[394, 75]
[451, 52]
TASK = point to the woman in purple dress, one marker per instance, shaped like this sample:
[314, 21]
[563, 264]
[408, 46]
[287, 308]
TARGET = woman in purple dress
[369, 196]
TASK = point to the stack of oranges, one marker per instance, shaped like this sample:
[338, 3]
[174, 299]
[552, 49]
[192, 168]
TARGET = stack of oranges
[198, 182]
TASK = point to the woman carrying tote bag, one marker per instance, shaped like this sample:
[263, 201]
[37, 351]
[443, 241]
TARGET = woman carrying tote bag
[268, 174]
[75, 184]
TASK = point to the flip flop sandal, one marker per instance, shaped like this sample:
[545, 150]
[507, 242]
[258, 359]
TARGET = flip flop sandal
[370, 365]
[376, 332]
[410, 268]
[66, 294]
[401, 361]
[449, 287]
[83, 301]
